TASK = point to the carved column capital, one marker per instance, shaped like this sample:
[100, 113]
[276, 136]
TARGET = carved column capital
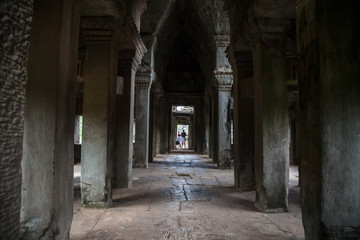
[143, 78]
[222, 62]
[222, 40]
[224, 80]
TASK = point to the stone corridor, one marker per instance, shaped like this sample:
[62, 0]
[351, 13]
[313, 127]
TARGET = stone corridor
[185, 197]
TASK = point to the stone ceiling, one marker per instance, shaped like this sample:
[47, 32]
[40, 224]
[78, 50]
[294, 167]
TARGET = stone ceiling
[190, 23]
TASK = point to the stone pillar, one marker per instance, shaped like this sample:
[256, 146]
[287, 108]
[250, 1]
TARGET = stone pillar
[124, 121]
[48, 159]
[15, 20]
[224, 80]
[98, 111]
[128, 63]
[157, 94]
[244, 132]
[271, 117]
[329, 73]
[214, 125]
[142, 100]
[164, 126]
[197, 139]
[206, 116]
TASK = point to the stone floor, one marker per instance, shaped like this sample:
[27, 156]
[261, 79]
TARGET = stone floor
[185, 197]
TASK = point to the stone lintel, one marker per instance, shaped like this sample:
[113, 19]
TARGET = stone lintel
[272, 25]
[98, 29]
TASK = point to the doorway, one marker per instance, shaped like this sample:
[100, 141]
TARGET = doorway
[183, 130]
[182, 121]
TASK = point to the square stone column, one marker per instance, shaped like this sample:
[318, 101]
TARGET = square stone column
[206, 119]
[271, 118]
[125, 122]
[156, 93]
[98, 111]
[329, 73]
[224, 80]
[128, 63]
[243, 116]
[143, 81]
[48, 159]
[244, 134]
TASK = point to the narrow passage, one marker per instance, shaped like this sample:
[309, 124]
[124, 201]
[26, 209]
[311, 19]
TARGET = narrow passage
[184, 197]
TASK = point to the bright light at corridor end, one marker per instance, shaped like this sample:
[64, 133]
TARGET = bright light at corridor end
[183, 109]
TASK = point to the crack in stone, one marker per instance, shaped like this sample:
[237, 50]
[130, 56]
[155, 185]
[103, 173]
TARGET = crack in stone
[185, 193]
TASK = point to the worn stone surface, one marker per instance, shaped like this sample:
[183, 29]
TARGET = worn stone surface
[329, 109]
[184, 197]
[15, 19]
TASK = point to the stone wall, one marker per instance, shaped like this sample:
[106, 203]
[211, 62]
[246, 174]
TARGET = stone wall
[15, 18]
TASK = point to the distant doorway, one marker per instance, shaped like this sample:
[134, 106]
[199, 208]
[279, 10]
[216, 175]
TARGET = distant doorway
[182, 122]
[183, 130]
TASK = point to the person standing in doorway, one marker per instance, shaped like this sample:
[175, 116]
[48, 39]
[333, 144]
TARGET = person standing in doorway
[179, 142]
[183, 135]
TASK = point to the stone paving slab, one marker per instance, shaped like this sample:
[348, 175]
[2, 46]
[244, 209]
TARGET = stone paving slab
[184, 197]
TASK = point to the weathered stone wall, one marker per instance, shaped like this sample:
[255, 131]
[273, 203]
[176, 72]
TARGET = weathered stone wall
[15, 19]
[48, 145]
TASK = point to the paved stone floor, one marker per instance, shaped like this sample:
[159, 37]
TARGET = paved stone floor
[185, 197]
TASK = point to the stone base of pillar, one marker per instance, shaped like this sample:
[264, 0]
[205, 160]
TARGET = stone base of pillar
[225, 160]
[265, 209]
[140, 165]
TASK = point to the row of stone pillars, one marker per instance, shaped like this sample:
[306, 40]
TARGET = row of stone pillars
[328, 48]
[108, 113]
[261, 121]
[49, 115]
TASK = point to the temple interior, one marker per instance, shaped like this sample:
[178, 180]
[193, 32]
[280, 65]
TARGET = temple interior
[180, 119]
